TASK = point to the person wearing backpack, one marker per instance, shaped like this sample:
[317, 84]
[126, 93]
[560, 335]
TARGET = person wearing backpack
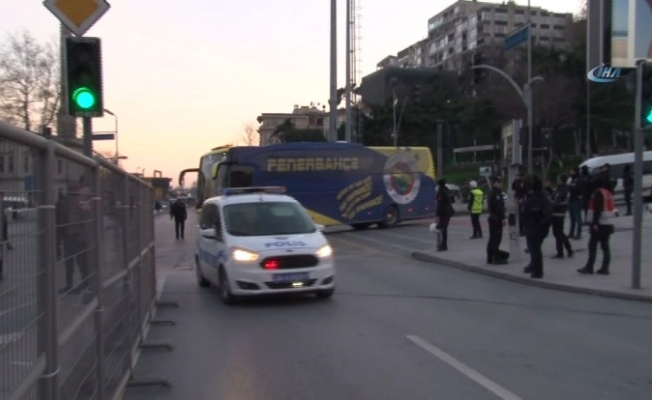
[537, 217]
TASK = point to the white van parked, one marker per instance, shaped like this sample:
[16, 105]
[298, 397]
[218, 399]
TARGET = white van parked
[618, 163]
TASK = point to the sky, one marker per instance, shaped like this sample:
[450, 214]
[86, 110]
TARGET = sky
[186, 76]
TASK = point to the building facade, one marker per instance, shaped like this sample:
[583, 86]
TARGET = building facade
[468, 26]
[302, 117]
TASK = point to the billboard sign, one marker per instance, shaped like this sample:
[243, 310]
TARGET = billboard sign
[631, 32]
[604, 74]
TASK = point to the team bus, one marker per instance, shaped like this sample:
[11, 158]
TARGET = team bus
[337, 183]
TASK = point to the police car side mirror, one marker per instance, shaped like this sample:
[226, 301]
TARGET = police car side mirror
[208, 233]
[320, 227]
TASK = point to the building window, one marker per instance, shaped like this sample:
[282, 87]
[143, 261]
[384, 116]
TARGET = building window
[26, 161]
[500, 17]
[11, 167]
[2, 164]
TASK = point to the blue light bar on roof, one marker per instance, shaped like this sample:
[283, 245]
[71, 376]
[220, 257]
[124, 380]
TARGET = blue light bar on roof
[249, 190]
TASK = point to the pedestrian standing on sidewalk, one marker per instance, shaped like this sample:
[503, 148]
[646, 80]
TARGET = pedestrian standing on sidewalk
[576, 191]
[518, 186]
[475, 208]
[588, 190]
[444, 214]
[602, 210]
[628, 187]
[537, 217]
[179, 213]
[496, 209]
[559, 208]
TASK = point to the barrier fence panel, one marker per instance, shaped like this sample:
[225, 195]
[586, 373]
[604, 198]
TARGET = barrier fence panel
[77, 273]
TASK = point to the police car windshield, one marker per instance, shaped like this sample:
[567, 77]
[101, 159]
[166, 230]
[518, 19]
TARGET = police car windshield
[267, 219]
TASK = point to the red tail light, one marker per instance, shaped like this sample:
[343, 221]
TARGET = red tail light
[271, 264]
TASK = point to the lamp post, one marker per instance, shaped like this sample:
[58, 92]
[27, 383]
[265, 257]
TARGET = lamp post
[117, 154]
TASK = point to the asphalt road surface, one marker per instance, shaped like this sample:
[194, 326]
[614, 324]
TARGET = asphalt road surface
[397, 329]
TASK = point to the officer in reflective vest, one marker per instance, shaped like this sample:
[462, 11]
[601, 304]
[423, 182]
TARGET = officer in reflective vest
[600, 215]
[475, 209]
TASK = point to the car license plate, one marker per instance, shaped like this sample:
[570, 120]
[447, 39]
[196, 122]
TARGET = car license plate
[291, 277]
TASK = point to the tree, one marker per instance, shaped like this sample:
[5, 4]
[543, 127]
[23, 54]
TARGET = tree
[250, 137]
[29, 81]
[287, 132]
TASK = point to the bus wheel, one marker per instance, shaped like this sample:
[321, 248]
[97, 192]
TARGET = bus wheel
[361, 225]
[390, 217]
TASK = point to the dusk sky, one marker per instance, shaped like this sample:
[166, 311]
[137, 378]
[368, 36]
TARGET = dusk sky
[185, 76]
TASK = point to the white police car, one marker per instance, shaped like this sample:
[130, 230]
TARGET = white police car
[258, 241]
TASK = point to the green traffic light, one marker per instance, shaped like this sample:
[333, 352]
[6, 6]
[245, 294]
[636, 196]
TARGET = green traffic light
[649, 117]
[84, 98]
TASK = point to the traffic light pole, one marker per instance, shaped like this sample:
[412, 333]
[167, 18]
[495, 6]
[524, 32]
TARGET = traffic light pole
[88, 136]
[638, 180]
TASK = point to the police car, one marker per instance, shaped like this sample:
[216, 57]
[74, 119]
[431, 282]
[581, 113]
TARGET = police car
[259, 241]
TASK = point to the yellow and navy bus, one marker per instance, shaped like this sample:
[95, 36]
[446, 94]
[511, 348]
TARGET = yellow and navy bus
[337, 183]
[205, 185]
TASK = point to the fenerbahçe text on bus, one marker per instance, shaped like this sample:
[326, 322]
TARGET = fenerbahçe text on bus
[337, 183]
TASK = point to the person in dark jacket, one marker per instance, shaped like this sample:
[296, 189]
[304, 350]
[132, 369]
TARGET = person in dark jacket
[547, 186]
[179, 213]
[444, 214]
[496, 209]
[559, 209]
[518, 187]
[628, 187]
[588, 189]
[602, 212]
[576, 190]
[537, 213]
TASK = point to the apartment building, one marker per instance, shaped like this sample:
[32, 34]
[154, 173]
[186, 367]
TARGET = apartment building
[303, 117]
[468, 25]
[389, 61]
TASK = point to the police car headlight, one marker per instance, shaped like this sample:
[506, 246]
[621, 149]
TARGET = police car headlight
[244, 255]
[325, 251]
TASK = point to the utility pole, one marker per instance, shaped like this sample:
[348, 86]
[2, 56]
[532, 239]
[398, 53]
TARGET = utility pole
[332, 120]
[530, 168]
[349, 120]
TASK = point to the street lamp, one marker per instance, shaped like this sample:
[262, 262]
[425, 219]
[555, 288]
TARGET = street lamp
[393, 82]
[117, 154]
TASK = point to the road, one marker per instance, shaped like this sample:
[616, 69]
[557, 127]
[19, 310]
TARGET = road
[398, 329]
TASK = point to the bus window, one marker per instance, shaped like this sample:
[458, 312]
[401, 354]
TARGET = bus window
[241, 176]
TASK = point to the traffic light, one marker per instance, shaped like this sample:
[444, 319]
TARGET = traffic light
[646, 96]
[479, 74]
[84, 73]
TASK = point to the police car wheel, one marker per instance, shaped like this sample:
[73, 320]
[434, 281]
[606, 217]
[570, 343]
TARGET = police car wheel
[225, 289]
[325, 294]
[201, 281]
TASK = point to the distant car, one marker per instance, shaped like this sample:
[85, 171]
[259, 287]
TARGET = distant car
[255, 242]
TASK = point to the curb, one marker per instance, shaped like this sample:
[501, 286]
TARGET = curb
[528, 281]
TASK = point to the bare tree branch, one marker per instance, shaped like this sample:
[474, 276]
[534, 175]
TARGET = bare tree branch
[29, 81]
[250, 137]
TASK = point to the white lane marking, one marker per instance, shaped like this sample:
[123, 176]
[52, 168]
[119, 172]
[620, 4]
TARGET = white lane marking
[464, 369]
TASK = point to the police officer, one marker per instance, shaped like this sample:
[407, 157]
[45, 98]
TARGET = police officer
[475, 208]
[601, 213]
[179, 213]
[537, 215]
[496, 208]
[519, 194]
[576, 190]
[559, 209]
[444, 213]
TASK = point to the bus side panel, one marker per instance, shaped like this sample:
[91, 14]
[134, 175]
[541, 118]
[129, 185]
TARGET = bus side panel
[344, 184]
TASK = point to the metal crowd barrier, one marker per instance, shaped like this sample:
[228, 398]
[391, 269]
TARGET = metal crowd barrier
[78, 281]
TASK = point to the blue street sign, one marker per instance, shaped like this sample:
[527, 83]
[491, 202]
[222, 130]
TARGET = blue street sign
[517, 37]
[103, 136]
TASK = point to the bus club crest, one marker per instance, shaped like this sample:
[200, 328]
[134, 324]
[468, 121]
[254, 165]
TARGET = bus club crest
[401, 178]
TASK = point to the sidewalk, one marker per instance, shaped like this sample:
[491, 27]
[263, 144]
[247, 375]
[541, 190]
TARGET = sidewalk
[470, 255]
